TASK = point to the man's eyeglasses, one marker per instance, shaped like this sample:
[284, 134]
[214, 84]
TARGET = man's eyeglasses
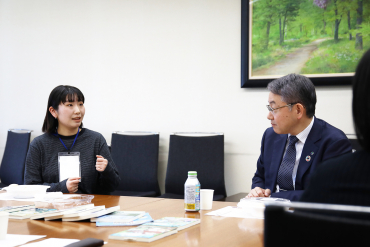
[273, 109]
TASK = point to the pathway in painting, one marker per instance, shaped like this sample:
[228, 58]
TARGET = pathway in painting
[292, 63]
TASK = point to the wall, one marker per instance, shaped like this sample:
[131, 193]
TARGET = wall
[157, 65]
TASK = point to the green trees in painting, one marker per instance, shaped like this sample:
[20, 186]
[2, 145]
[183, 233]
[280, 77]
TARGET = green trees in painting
[338, 10]
[266, 12]
[359, 44]
[330, 28]
[287, 12]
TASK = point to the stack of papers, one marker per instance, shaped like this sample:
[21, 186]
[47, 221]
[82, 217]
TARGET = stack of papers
[33, 213]
[71, 211]
[72, 214]
[88, 214]
[19, 212]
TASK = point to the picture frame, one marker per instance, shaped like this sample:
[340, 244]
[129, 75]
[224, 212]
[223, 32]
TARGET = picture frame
[250, 81]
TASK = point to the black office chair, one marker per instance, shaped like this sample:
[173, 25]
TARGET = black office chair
[354, 142]
[136, 157]
[201, 152]
[313, 224]
[14, 159]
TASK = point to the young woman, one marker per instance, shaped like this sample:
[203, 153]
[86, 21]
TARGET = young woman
[65, 143]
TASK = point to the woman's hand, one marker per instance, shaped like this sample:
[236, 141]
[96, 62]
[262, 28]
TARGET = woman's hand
[101, 163]
[72, 184]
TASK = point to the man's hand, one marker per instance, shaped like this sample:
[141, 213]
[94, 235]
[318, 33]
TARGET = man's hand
[259, 192]
[72, 184]
[101, 163]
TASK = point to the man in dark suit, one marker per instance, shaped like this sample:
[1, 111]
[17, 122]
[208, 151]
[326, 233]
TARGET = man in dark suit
[296, 143]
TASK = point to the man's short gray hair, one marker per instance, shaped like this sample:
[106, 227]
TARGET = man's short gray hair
[295, 88]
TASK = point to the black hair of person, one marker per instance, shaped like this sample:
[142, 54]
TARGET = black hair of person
[361, 101]
[294, 88]
[60, 95]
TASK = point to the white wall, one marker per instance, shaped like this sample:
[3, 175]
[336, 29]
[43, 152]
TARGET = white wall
[158, 65]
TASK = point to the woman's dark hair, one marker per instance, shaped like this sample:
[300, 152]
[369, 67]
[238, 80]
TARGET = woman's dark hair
[60, 94]
[361, 101]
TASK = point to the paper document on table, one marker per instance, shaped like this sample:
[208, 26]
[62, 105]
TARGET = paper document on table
[55, 242]
[12, 240]
[69, 167]
[230, 211]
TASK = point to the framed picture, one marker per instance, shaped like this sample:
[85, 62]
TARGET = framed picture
[321, 39]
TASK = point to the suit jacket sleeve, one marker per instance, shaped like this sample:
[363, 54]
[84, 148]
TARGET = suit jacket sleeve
[259, 177]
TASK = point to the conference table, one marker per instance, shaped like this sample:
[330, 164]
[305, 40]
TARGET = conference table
[212, 231]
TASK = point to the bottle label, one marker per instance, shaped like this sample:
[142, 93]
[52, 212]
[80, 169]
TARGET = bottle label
[192, 197]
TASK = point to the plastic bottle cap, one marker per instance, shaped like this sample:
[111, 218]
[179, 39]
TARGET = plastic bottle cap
[192, 173]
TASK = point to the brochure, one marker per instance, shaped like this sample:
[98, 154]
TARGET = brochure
[70, 211]
[120, 216]
[144, 233]
[96, 212]
[10, 209]
[144, 219]
[180, 223]
[45, 212]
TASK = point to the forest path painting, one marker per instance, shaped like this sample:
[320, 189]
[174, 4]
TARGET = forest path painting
[292, 63]
[311, 37]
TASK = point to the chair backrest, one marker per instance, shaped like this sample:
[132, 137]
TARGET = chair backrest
[201, 152]
[354, 142]
[313, 224]
[136, 157]
[14, 159]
